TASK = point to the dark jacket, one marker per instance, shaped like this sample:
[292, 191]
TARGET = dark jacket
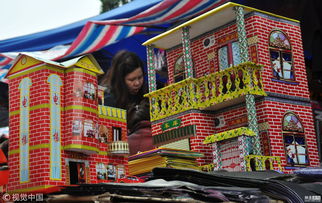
[110, 100]
[138, 121]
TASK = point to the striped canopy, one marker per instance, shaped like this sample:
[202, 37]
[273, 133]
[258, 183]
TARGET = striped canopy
[96, 35]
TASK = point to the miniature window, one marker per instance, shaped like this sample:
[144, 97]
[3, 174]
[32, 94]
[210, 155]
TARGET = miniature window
[103, 134]
[120, 171]
[101, 171]
[229, 55]
[89, 129]
[294, 140]
[111, 172]
[77, 127]
[179, 72]
[117, 134]
[89, 91]
[281, 56]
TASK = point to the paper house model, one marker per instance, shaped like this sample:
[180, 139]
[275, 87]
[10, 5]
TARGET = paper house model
[59, 134]
[237, 91]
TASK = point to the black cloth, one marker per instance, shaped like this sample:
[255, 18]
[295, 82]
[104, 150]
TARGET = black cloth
[109, 99]
[4, 105]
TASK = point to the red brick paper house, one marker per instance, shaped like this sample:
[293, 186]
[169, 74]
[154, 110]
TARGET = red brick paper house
[237, 91]
[59, 134]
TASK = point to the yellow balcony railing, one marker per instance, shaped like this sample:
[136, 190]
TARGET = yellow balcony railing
[206, 91]
[118, 148]
[260, 163]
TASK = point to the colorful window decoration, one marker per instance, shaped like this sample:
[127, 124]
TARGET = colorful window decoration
[120, 171]
[111, 172]
[229, 55]
[292, 123]
[294, 140]
[279, 40]
[160, 60]
[179, 69]
[179, 73]
[89, 91]
[77, 127]
[281, 56]
[100, 95]
[78, 90]
[103, 134]
[101, 171]
[89, 129]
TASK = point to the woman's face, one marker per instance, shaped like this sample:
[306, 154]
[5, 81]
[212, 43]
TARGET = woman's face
[134, 81]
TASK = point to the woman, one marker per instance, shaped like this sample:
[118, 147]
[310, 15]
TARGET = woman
[126, 89]
[124, 81]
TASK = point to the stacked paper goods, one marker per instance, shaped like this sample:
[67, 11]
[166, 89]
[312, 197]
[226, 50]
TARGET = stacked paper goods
[143, 163]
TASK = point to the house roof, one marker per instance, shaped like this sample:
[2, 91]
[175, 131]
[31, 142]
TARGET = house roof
[25, 62]
[204, 23]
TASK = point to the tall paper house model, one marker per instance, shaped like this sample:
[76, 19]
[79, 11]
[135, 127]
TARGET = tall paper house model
[237, 91]
[59, 134]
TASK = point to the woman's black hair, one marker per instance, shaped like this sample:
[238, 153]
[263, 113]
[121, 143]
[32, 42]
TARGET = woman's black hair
[123, 63]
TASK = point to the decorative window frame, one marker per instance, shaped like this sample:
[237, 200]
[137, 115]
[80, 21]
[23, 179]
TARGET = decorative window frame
[116, 133]
[231, 55]
[279, 73]
[89, 91]
[291, 131]
[179, 69]
[179, 75]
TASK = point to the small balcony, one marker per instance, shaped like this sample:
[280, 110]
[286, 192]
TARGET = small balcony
[210, 92]
[119, 148]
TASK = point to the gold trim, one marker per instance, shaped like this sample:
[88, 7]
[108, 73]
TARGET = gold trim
[14, 151]
[37, 68]
[39, 106]
[47, 145]
[111, 118]
[46, 105]
[79, 107]
[13, 113]
[242, 131]
[105, 153]
[79, 146]
[39, 146]
[33, 147]
[31, 108]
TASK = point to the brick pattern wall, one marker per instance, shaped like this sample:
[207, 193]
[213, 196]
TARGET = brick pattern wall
[258, 27]
[273, 112]
[74, 81]
[261, 27]
[114, 123]
[39, 132]
[205, 126]
[74, 96]
[39, 158]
